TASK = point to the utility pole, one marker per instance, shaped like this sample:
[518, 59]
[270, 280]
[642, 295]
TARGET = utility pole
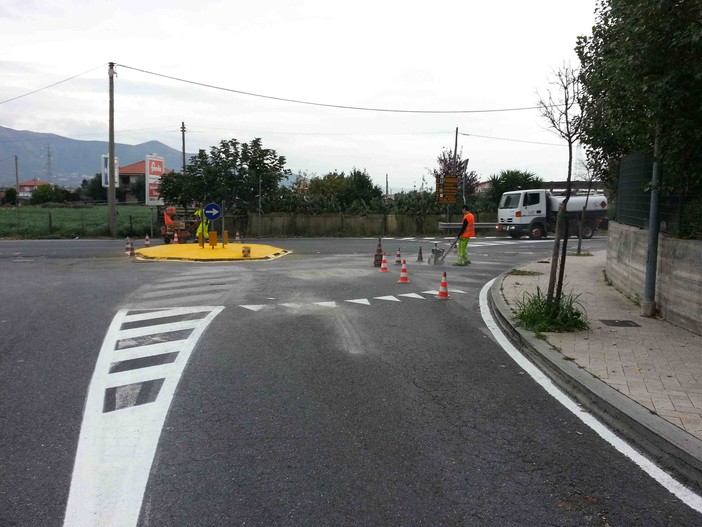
[49, 164]
[17, 177]
[648, 303]
[182, 131]
[111, 194]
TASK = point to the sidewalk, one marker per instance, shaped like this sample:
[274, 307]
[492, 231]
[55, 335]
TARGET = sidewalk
[642, 376]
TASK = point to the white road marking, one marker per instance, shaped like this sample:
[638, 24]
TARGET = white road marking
[411, 295]
[363, 301]
[116, 447]
[325, 304]
[683, 493]
[389, 297]
[256, 307]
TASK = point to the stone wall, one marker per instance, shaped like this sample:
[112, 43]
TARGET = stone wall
[679, 277]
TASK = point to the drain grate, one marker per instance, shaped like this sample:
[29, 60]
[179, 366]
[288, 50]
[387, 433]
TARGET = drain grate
[620, 323]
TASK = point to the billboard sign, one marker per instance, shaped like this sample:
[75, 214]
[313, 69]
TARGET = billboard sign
[105, 170]
[154, 169]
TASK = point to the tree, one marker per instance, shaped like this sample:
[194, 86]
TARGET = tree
[561, 109]
[11, 196]
[508, 180]
[51, 194]
[447, 166]
[231, 172]
[93, 188]
[354, 193]
[641, 71]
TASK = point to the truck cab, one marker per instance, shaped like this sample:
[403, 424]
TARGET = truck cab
[524, 212]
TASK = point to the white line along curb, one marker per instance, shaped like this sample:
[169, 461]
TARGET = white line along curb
[691, 499]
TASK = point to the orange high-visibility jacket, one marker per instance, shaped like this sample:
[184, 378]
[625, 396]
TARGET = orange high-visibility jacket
[468, 227]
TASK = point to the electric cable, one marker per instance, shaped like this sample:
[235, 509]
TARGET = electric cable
[339, 106]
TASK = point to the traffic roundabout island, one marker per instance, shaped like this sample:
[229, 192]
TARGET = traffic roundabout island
[218, 253]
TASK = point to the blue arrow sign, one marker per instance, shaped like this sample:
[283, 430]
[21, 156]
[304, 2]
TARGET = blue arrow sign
[212, 211]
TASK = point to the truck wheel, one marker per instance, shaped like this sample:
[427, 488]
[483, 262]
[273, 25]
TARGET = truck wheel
[515, 235]
[166, 240]
[588, 230]
[536, 231]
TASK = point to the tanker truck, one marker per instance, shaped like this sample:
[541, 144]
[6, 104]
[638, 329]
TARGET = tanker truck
[533, 212]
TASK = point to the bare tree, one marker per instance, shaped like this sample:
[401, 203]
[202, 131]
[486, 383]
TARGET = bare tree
[561, 109]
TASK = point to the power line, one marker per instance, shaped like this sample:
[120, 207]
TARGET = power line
[341, 106]
[51, 85]
[513, 140]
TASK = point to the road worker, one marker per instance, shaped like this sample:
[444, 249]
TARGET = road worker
[203, 227]
[466, 233]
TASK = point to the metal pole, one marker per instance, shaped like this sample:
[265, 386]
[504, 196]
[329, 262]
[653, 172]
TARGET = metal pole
[182, 130]
[648, 304]
[111, 194]
[259, 204]
[17, 177]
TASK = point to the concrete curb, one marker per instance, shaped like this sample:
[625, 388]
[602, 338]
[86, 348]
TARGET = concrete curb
[672, 448]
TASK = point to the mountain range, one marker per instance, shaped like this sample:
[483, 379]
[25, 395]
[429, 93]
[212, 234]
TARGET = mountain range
[66, 162]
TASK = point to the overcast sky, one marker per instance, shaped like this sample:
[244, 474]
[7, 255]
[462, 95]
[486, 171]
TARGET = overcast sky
[396, 55]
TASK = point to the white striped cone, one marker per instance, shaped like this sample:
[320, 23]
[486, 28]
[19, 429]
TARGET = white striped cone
[175, 237]
[398, 258]
[147, 241]
[404, 277]
[384, 265]
[127, 245]
[443, 289]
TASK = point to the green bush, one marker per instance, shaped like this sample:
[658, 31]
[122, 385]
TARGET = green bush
[537, 314]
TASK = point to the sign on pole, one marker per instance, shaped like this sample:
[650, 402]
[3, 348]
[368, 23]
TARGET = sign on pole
[105, 169]
[153, 171]
[212, 211]
[446, 189]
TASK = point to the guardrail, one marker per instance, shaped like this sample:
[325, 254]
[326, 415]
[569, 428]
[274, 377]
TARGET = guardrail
[456, 226]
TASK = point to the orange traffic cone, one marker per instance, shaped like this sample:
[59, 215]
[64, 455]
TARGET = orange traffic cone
[398, 258]
[443, 289]
[237, 239]
[147, 241]
[127, 245]
[131, 251]
[404, 277]
[175, 237]
[384, 265]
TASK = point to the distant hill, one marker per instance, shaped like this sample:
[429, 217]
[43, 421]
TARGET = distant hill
[71, 160]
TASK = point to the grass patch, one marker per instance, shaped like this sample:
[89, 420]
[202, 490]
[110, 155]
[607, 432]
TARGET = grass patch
[537, 314]
[582, 253]
[521, 272]
[36, 222]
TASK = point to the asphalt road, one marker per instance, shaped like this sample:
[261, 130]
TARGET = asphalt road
[317, 391]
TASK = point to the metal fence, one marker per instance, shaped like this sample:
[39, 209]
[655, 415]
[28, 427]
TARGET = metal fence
[634, 196]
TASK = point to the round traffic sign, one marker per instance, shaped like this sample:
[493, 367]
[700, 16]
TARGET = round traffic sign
[212, 211]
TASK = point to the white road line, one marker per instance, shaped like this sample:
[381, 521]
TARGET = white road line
[116, 448]
[325, 304]
[363, 301]
[156, 330]
[389, 297]
[683, 493]
[256, 307]
[163, 313]
[411, 295]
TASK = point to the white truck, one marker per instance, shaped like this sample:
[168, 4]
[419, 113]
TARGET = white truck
[533, 212]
